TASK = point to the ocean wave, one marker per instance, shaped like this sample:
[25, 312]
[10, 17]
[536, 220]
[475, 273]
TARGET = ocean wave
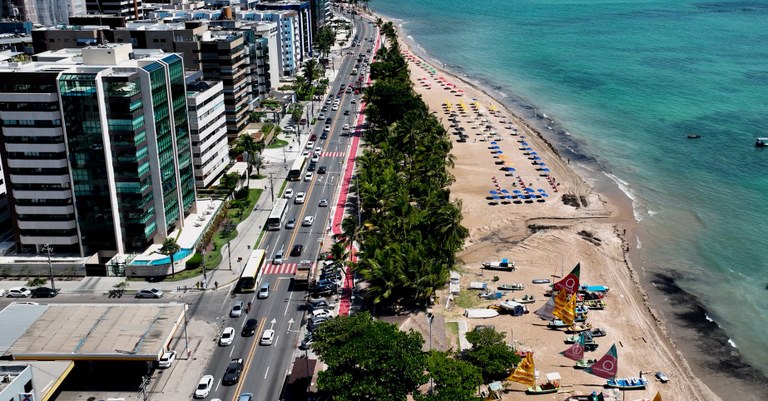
[731, 343]
[639, 243]
[624, 187]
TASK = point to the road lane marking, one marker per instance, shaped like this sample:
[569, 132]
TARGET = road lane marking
[266, 373]
[247, 364]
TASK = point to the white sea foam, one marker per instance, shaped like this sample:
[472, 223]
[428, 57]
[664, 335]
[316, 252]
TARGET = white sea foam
[624, 187]
[709, 319]
[639, 244]
[652, 212]
[731, 343]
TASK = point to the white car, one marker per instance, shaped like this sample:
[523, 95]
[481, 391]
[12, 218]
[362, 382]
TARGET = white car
[167, 360]
[204, 386]
[321, 116]
[308, 177]
[327, 128]
[300, 196]
[335, 107]
[305, 153]
[308, 221]
[353, 101]
[19, 292]
[345, 127]
[321, 312]
[288, 193]
[316, 158]
[318, 149]
[149, 293]
[310, 145]
[237, 309]
[227, 336]
[267, 337]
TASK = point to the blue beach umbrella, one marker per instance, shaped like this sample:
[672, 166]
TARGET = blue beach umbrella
[529, 190]
[536, 158]
[545, 169]
[517, 191]
[534, 153]
[493, 142]
[492, 192]
[524, 143]
[509, 169]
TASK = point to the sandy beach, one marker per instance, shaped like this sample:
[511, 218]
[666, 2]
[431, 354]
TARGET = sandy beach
[545, 237]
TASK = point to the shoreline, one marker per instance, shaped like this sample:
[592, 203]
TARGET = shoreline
[613, 198]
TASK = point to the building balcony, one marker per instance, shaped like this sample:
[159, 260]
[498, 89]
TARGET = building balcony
[49, 194]
[33, 131]
[35, 163]
[68, 209]
[17, 97]
[40, 179]
[42, 240]
[36, 147]
[47, 225]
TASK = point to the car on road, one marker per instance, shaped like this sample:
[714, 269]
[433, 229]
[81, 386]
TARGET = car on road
[321, 313]
[308, 177]
[323, 203]
[309, 145]
[290, 224]
[263, 291]
[313, 137]
[237, 309]
[308, 221]
[245, 397]
[19, 292]
[320, 116]
[149, 293]
[325, 108]
[345, 127]
[323, 135]
[312, 166]
[305, 153]
[321, 170]
[204, 386]
[232, 374]
[166, 360]
[325, 256]
[227, 336]
[346, 112]
[335, 107]
[44, 292]
[299, 199]
[297, 250]
[278, 259]
[250, 327]
[288, 193]
[318, 149]
[315, 158]
[353, 101]
[267, 337]
[328, 120]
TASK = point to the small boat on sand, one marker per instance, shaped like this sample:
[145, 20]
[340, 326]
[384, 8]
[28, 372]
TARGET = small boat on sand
[582, 364]
[556, 324]
[541, 281]
[578, 328]
[527, 299]
[629, 383]
[545, 388]
[662, 377]
[596, 304]
[504, 264]
[480, 313]
[511, 287]
[598, 332]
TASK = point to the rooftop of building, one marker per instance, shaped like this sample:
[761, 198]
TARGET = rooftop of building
[46, 375]
[107, 55]
[88, 331]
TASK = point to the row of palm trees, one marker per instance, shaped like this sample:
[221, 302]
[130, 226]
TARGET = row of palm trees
[408, 228]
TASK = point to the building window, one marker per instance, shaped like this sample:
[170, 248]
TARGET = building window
[28, 387]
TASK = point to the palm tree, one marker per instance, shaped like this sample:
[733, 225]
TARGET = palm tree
[229, 182]
[245, 144]
[169, 248]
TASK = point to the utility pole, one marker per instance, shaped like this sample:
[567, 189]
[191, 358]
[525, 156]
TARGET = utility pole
[272, 185]
[186, 339]
[48, 249]
[430, 318]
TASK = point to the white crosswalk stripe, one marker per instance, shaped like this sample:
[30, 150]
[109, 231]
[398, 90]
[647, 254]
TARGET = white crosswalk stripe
[285, 268]
[332, 154]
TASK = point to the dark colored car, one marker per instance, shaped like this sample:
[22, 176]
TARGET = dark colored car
[312, 166]
[318, 291]
[313, 137]
[250, 327]
[328, 120]
[323, 135]
[321, 170]
[44, 292]
[232, 375]
[297, 250]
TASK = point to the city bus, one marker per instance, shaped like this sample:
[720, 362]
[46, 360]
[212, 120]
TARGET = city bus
[277, 215]
[251, 270]
[294, 174]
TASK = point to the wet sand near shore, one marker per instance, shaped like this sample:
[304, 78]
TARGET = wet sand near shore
[530, 224]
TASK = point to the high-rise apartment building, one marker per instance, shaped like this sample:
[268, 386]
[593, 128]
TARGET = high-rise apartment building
[224, 59]
[132, 10]
[45, 12]
[96, 149]
[208, 130]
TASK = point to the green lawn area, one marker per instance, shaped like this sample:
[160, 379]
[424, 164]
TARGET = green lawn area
[277, 143]
[467, 299]
[452, 328]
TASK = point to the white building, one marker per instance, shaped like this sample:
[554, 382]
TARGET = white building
[208, 128]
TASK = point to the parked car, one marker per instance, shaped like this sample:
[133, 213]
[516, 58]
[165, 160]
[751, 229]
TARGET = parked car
[19, 292]
[309, 145]
[306, 342]
[320, 303]
[227, 336]
[44, 292]
[318, 291]
[308, 221]
[166, 360]
[290, 224]
[323, 203]
[299, 199]
[321, 313]
[264, 291]
[237, 309]
[250, 327]
[267, 337]
[149, 293]
[288, 193]
[313, 137]
[232, 374]
[204, 386]
[297, 250]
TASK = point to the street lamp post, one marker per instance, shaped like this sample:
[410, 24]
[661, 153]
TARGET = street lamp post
[272, 185]
[186, 338]
[48, 249]
[430, 318]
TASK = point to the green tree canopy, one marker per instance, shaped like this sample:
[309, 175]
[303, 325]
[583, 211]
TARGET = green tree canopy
[169, 248]
[490, 353]
[368, 359]
[453, 379]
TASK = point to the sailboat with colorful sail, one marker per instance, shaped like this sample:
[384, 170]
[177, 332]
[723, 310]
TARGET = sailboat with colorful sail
[525, 373]
[569, 283]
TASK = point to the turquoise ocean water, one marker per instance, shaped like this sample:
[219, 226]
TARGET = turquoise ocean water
[623, 83]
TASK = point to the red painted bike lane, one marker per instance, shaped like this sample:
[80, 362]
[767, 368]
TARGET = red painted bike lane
[349, 281]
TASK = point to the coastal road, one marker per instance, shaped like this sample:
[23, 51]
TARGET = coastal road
[266, 367]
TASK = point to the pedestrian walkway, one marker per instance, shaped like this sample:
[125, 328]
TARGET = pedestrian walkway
[284, 268]
[332, 154]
